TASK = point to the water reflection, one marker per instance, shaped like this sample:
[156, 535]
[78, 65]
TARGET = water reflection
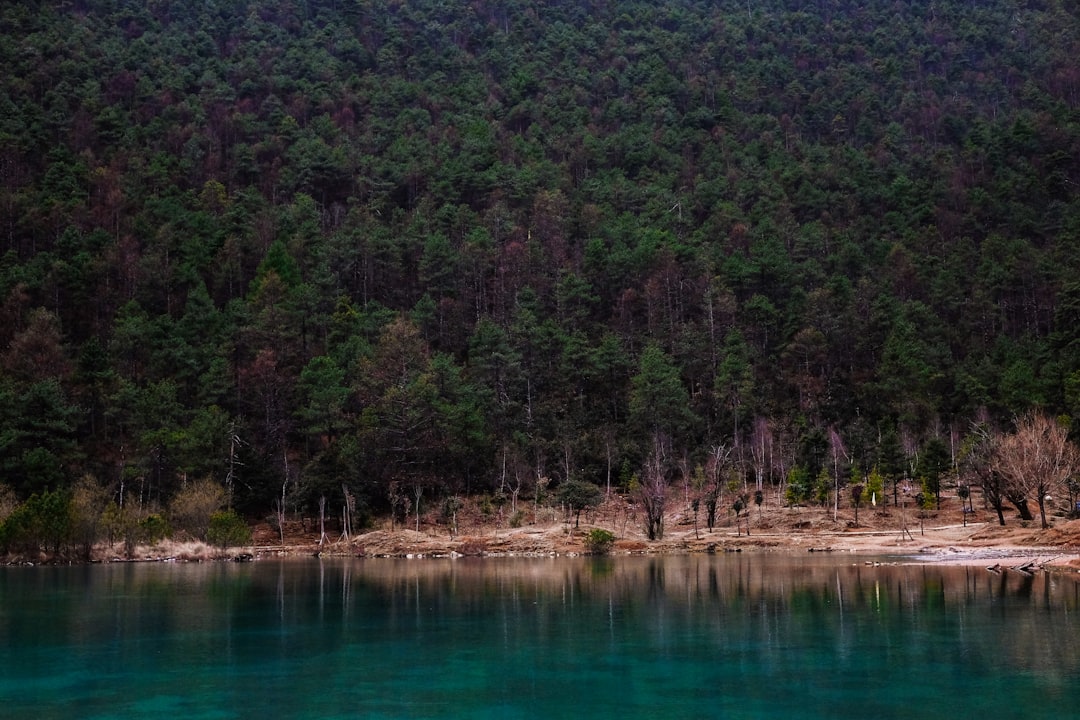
[528, 637]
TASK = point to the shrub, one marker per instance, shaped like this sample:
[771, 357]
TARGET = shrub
[228, 529]
[89, 499]
[191, 507]
[8, 502]
[153, 528]
[44, 520]
[823, 486]
[875, 486]
[451, 507]
[599, 541]
[132, 526]
[472, 546]
[798, 486]
[927, 500]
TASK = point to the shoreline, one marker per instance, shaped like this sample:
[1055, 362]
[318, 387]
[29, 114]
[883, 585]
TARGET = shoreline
[971, 544]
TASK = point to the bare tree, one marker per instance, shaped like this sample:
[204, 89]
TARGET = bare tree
[398, 500]
[978, 459]
[516, 480]
[280, 502]
[418, 492]
[652, 492]
[761, 448]
[718, 466]
[838, 452]
[235, 442]
[347, 512]
[1036, 460]
[322, 521]
[782, 454]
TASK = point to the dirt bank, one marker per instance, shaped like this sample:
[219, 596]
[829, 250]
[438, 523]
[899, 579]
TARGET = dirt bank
[941, 536]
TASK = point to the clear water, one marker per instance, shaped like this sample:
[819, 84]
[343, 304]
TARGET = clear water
[731, 636]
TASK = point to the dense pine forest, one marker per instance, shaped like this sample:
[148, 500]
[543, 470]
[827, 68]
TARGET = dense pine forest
[402, 252]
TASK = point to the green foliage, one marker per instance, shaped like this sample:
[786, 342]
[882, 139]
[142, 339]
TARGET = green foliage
[578, 495]
[798, 488]
[658, 399]
[823, 487]
[322, 384]
[933, 462]
[43, 522]
[341, 261]
[599, 541]
[279, 262]
[132, 527]
[875, 486]
[37, 431]
[153, 528]
[227, 529]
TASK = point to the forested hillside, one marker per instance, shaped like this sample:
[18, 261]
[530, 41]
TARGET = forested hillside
[436, 247]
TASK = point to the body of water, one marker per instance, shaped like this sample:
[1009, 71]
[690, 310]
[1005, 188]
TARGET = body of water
[727, 636]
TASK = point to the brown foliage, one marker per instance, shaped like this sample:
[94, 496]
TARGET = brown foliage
[1036, 460]
[472, 546]
[37, 352]
[8, 502]
[191, 508]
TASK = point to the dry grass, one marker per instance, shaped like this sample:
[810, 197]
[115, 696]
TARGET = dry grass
[545, 533]
[169, 550]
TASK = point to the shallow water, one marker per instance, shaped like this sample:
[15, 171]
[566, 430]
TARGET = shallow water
[729, 636]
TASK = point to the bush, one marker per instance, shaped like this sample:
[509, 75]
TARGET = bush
[875, 487]
[823, 486]
[599, 541]
[132, 526]
[43, 521]
[227, 529]
[798, 486]
[153, 528]
[8, 502]
[191, 507]
[89, 499]
[472, 547]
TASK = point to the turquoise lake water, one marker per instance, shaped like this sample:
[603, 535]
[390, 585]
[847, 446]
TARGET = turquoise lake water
[727, 636]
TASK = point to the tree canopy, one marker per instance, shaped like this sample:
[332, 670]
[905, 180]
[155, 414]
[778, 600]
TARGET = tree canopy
[317, 244]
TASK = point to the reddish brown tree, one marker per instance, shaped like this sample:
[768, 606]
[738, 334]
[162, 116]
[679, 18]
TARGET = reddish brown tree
[1036, 460]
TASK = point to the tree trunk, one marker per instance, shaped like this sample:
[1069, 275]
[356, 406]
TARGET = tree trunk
[1022, 507]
